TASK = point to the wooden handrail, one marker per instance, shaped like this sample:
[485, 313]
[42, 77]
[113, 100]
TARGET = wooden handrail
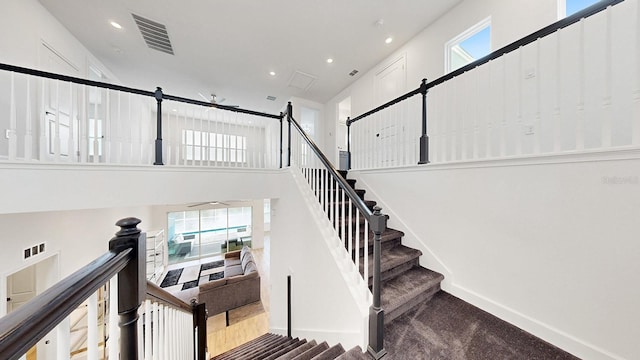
[156, 293]
[23, 328]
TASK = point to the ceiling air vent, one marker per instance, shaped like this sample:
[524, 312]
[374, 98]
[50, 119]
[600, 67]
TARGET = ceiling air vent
[302, 80]
[353, 72]
[154, 34]
[271, 98]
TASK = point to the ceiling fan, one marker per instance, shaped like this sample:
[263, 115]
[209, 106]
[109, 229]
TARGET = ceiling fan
[208, 203]
[214, 99]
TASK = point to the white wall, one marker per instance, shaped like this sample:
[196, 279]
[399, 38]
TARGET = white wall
[323, 303]
[35, 25]
[548, 244]
[510, 21]
[77, 237]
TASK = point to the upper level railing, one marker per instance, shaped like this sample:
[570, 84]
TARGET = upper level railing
[355, 224]
[53, 118]
[566, 87]
[165, 326]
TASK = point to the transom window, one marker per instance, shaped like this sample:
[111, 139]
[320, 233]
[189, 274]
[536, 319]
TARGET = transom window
[570, 7]
[471, 45]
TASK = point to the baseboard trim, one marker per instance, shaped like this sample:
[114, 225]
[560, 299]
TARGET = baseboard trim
[546, 332]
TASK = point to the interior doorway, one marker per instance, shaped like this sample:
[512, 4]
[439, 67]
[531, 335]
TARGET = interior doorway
[25, 284]
[344, 112]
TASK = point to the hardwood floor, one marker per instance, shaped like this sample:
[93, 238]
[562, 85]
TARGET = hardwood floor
[221, 338]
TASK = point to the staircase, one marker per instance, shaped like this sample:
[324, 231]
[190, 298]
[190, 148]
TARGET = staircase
[278, 347]
[404, 283]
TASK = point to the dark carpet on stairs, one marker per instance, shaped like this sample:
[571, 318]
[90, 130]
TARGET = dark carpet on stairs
[449, 328]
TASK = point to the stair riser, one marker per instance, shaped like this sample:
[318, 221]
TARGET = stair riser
[395, 271]
[421, 298]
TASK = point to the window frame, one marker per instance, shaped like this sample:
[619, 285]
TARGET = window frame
[473, 30]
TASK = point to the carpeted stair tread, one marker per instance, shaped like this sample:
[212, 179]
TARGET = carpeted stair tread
[331, 353]
[297, 343]
[354, 354]
[391, 258]
[244, 347]
[314, 351]
[407, 290]
[297, 351]
[274, 349]
[250, 352]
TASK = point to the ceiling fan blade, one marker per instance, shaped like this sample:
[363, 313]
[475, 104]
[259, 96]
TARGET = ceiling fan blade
[198, 204]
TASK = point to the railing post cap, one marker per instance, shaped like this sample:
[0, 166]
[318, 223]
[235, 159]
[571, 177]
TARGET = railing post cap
[128, 226]
[158, 93]
[377, 210]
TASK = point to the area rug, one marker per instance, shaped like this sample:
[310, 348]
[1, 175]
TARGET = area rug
[171, 278]
[192, 276]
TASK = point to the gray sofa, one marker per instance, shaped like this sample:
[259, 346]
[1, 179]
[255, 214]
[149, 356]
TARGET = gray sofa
[240, 285]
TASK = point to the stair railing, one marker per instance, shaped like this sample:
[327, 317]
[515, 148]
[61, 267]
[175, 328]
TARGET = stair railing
[163, 326]
[349, 215]
[402, 118]
[56, 118]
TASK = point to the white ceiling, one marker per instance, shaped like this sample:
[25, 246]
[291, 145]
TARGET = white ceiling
[229, 47]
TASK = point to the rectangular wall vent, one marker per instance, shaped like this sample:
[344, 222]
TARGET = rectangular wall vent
[154, 34]
[271, 98]
[34, 250]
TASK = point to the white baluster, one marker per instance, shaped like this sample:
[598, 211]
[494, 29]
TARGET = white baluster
[636, 94]
[343, 215]
[357, 242]
[148, 313]
[608, 75]
[44, 146]
[140, 326]
[13, 139]
[63, 341]
[580, 118]
[114, 330]
[365, 240]
[557, 109]
[92, 327]
[28, 137]
[71, 140]
[57, 141]
[349, 236]
[106, 131]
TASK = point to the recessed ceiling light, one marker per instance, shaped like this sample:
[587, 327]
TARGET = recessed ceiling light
[272, 73]
[116, 25]
[329, 60]
[388, 40]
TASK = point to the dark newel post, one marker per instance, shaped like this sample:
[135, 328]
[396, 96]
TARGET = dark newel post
[424, 139]
[378, 224]
[132, 284]
[289, 306]
[200, 323]
[289, 116]
[158, 96]
[349, 143]
[281, 116]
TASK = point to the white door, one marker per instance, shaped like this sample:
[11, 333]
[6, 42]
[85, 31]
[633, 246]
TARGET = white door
[390, 83]
[21, 287]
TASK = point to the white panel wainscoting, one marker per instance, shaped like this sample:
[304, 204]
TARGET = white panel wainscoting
[547, 243]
